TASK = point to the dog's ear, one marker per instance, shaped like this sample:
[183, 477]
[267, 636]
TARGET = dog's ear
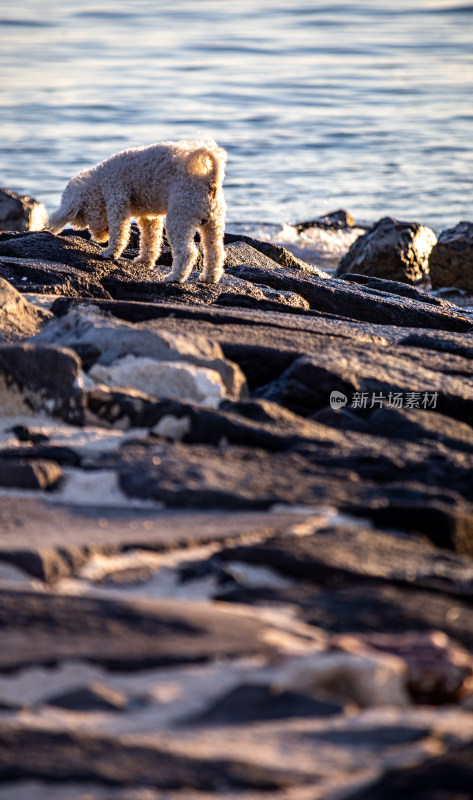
[66, 212]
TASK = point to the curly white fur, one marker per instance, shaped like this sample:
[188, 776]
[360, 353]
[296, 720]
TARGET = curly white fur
[179, 180]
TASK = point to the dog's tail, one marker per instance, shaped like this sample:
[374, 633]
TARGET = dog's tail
[207, 161]
[66, 212]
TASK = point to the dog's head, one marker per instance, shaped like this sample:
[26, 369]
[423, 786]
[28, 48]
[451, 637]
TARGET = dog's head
[81, 207]
[70, 211]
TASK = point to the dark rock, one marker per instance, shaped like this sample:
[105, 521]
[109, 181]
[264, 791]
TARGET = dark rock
[374, 739]
[371, 379]
[21, 213]
[80, 756]
[417, 424]
[73, 266]
[393, 287]
[446, 524]
[45, 247]
[43, 628]
[353, 301]
[451, 259]
[40, 277]
[47, 563]
[25, 434]
[266, 344]
[53, 264]
[370, 609]
[335, 220]
[195, 476]
[445, 777]
[254, 702]
[60, 454]
[54, 541]
[272, 251]
[336, 556]
[96, 697]
[123, 408]
[239, 477]
[41, 378]
[22, 474]
[255, 424]
[398, 251]
[18, 318]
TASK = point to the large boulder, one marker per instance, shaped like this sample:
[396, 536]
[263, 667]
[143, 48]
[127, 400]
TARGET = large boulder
[397, 251]
[162, 364]
[21, 213]
[451, 260]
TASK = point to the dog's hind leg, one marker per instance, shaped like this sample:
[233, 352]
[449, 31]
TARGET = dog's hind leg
[151, 236]
[184, 252]
[214, 252]
[119, 223]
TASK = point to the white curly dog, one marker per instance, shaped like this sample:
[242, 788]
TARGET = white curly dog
[179, 180]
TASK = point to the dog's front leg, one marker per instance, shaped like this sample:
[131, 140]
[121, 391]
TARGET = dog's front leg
[119, 222]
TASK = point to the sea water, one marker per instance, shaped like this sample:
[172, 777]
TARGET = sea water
[366, 106]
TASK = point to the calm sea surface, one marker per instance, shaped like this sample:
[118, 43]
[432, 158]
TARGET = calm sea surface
[366, 106]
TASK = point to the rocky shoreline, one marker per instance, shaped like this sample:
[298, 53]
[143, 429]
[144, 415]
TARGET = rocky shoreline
[236, 530]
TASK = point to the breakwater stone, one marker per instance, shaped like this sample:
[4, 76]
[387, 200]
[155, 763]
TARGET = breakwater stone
[264, 590]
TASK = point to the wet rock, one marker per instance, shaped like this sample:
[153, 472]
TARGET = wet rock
[96, 697]
[19, 319]
[398, 251]
[22, 474]
[40, 378]
[254, 702]
[451, 259]
[335, 220]
[107, 341]
[21, 213]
